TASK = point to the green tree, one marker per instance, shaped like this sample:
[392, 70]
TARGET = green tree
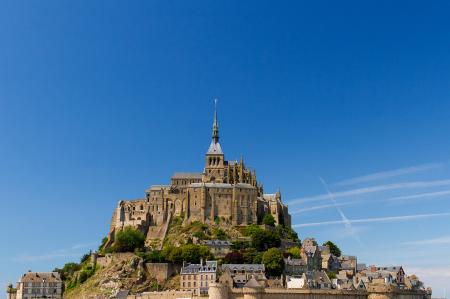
[295, 252]
[268, 220]
[265, 240]
[173, 254]
[249, 255]
[273, 261]
[128, 240]
[192, 253]
[334, 249]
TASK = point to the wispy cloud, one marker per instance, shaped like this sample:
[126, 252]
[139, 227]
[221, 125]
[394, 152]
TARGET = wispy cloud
[373, 189]
[72, 251]
[321, 207]
[375, 220]
[436, 277]
[420, 195]
[389, 174]
[435, 241]
[347, 223]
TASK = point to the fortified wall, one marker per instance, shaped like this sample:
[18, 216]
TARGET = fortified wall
[219, 291]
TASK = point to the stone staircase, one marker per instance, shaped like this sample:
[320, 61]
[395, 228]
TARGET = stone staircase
[158, 233]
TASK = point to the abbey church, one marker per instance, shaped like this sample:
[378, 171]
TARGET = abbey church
[227, 190]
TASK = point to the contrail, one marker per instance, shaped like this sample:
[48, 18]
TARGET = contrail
[345, 220]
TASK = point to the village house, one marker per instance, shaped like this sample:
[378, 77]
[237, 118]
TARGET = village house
[198, 277]
[240, 274]
[38, 285]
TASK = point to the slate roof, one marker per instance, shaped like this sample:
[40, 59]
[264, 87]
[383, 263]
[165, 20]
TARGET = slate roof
[217, 242]
[294, 262]
[252, 283]
[209, 267]
[187, 175]
[222, 185]
[245, 267]
[214, 148]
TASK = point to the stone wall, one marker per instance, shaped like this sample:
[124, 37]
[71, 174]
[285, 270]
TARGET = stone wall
[162, 295]
[106, 260]
[219, 291]
[162, 271]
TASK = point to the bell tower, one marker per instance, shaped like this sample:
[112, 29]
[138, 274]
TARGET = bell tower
[214, 164]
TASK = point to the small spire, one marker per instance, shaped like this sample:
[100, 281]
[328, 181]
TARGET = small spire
[215, 130]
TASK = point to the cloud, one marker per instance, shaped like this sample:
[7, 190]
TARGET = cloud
[375, 220]
[373, 189]
[321, 207]
[347, 223]
[434, 241]
[420, 195]
[389, 174]
[436, 277]
[57, 254]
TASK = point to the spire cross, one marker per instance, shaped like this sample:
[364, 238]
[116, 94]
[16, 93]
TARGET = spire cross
[215, 133]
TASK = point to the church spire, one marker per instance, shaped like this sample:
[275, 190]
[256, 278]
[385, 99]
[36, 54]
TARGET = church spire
[215, 129]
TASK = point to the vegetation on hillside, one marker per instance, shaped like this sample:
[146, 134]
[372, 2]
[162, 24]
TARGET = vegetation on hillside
[334, 249]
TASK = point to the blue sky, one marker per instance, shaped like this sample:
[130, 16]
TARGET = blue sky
[100, 99]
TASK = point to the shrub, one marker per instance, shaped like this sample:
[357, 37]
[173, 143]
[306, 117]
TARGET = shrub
[273, 261]
[193, 253]
[220, 234]
[294, 252]
[333, 248]
[128, 240]
[268, 220]
[85, 257]
[153, 256]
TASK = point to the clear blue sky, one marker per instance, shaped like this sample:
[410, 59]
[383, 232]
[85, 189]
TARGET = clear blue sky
[100, 99]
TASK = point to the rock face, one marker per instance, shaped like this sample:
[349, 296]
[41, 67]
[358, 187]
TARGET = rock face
[126, 271]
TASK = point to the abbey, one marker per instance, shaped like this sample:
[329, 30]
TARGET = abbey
[225, 190]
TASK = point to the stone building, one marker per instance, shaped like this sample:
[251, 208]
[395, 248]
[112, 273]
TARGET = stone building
[198, 277]
[241, 273]
[226, 190]
[37, 285]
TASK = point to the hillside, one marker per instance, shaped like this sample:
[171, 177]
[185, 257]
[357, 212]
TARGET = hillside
[126, 271]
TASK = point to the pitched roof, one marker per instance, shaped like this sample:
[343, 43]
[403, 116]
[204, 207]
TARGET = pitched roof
[208, 266]
[40, 276]
[217, 242]
[252, 283]
[187, 175]
[214, 149]
[245, 267]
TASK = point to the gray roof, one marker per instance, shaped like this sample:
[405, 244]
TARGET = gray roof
[122, 294]
[245, 267]
[222, 185]
[252, 283]
[217, 242]
[187, 175]
[294, 262]
[208, 266]
[214, 148]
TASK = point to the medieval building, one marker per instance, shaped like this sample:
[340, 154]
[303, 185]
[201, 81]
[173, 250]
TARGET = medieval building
[227, 190]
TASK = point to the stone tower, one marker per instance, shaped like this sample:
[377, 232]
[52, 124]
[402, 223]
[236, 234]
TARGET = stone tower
[214, 162]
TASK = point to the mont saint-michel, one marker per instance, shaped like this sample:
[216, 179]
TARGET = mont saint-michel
[225, 190]
[215, 234]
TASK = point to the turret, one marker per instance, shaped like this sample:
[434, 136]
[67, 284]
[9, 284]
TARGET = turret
[214, 164]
